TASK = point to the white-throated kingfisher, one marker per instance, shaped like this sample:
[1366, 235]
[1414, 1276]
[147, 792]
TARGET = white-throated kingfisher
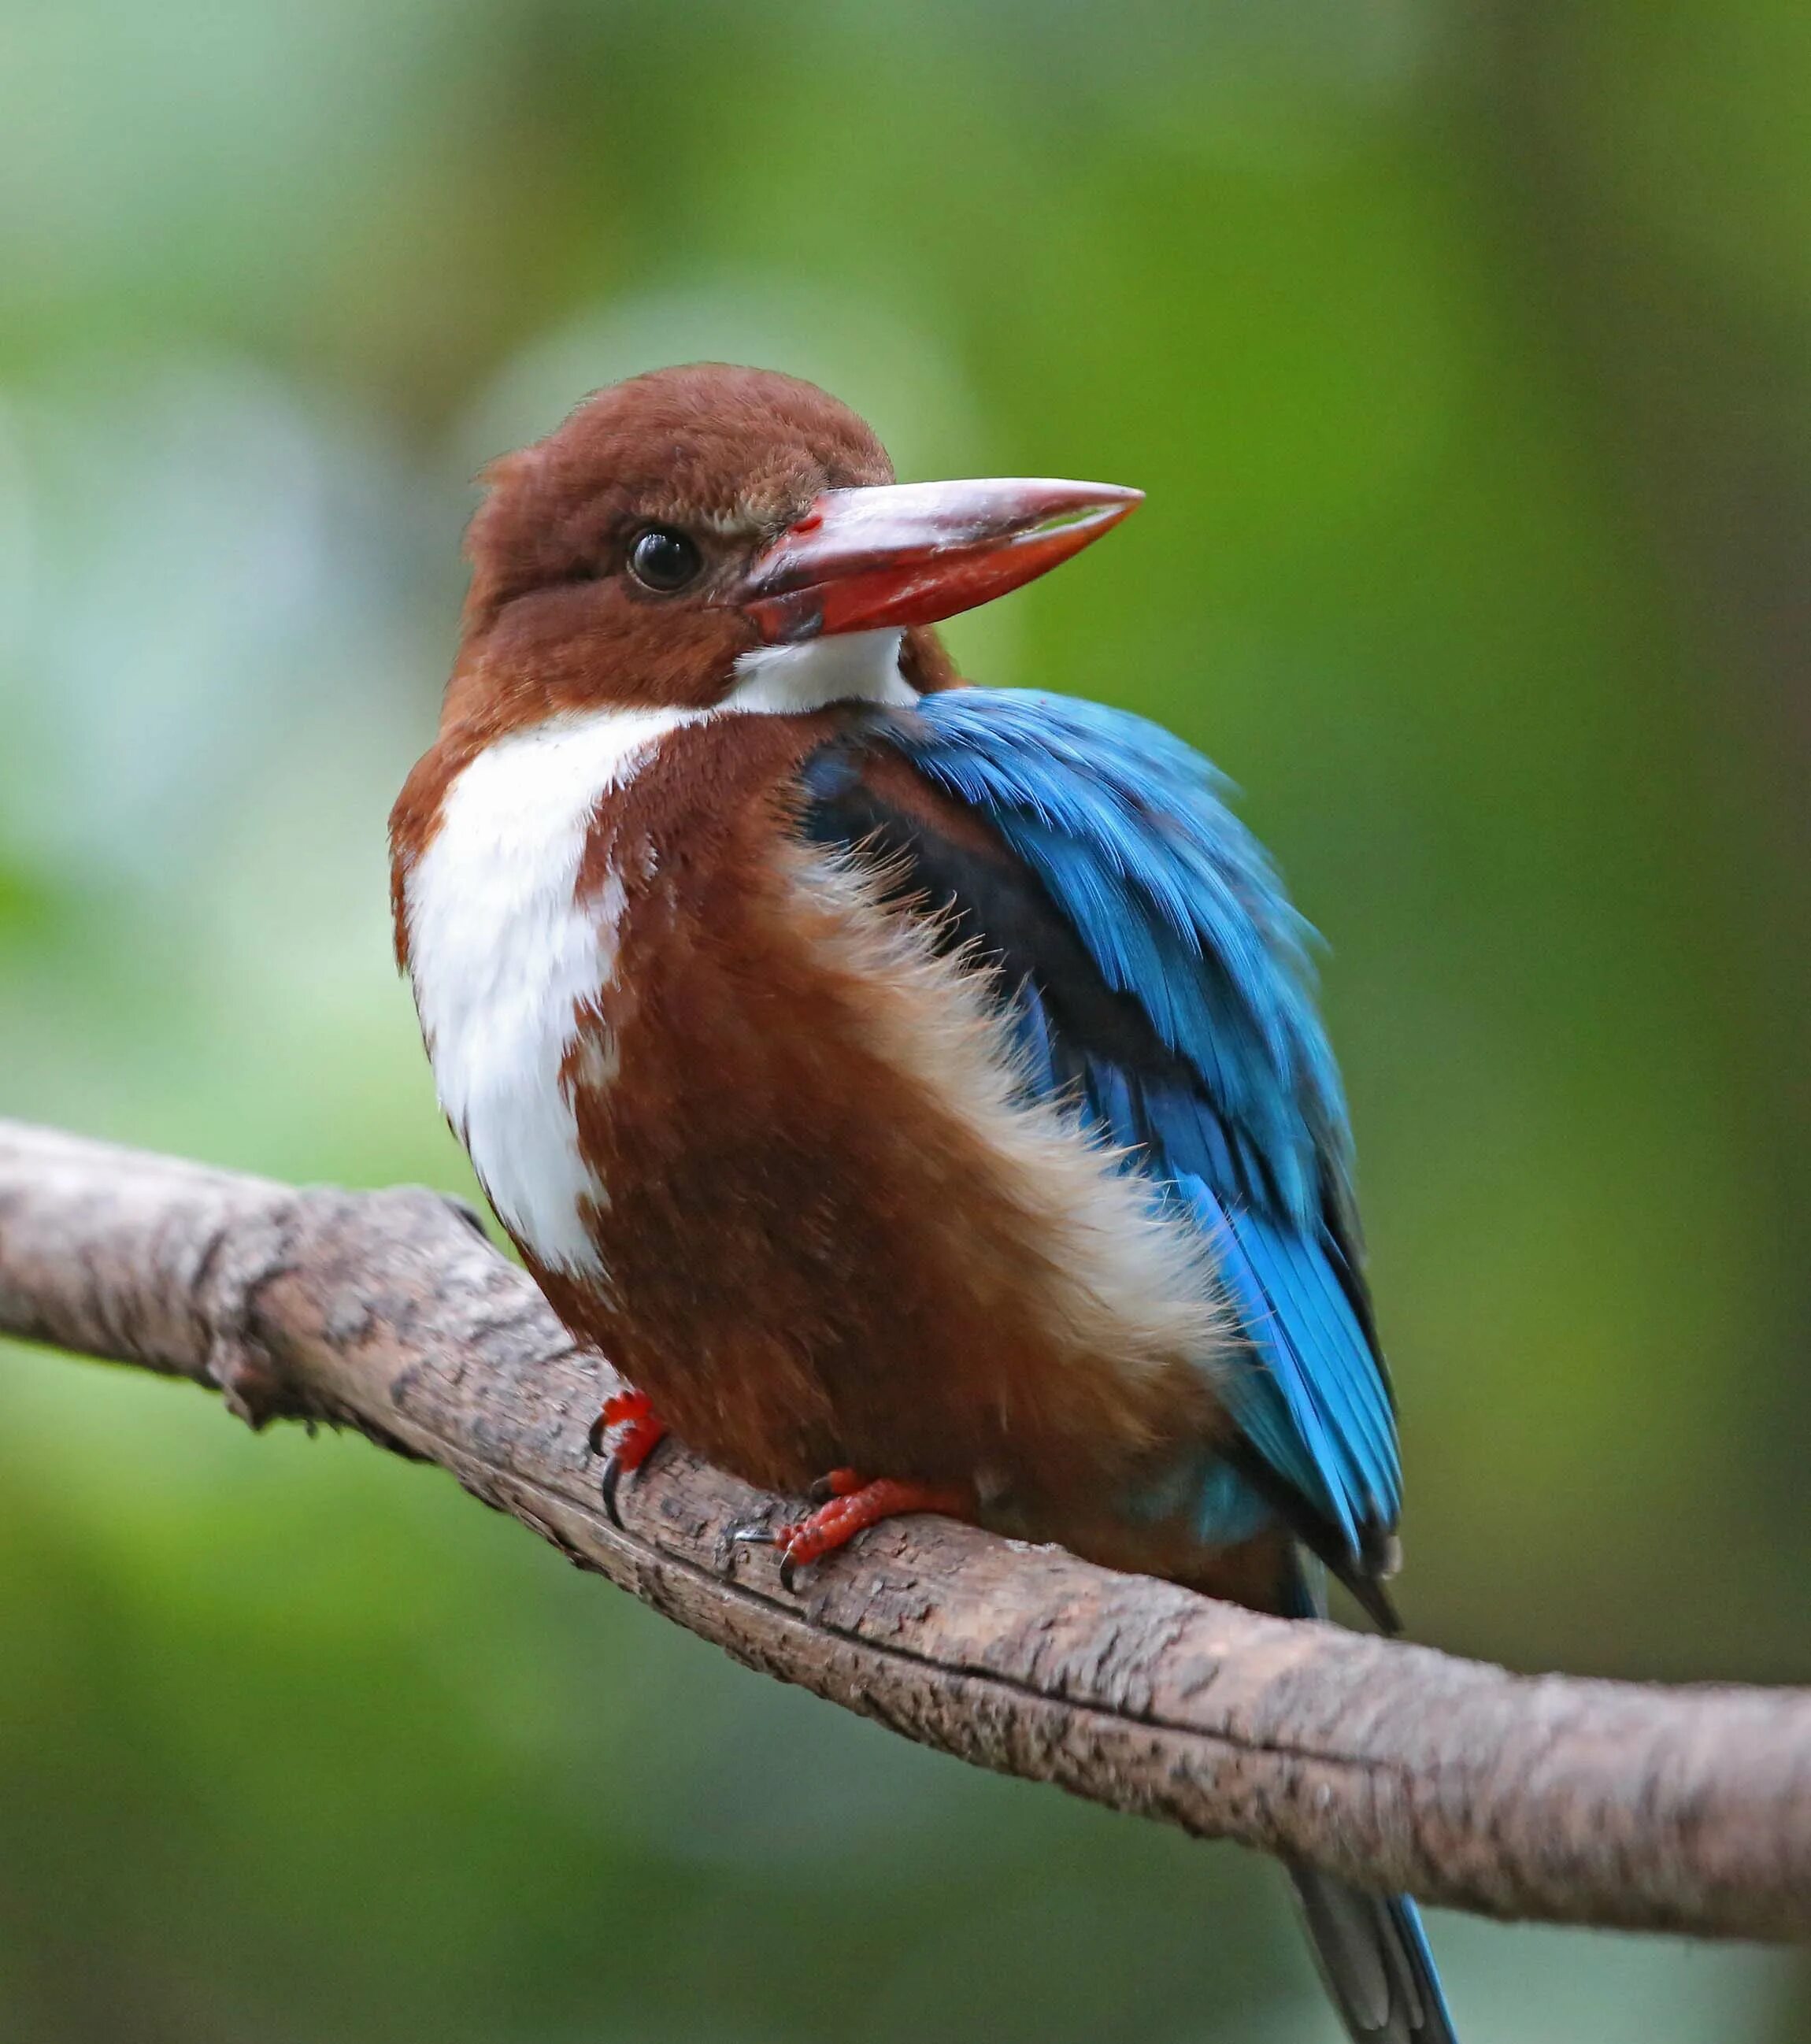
[916, 1089]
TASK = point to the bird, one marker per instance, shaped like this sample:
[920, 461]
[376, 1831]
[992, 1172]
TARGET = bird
[916, 1089]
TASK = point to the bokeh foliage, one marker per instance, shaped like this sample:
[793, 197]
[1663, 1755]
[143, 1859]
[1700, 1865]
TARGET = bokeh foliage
[1463, 351]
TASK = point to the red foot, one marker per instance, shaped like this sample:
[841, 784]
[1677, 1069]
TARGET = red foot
[838, 1483]
[642, 1431]
[854, 1506]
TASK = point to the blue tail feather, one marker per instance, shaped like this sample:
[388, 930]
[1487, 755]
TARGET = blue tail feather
[1374, 1960]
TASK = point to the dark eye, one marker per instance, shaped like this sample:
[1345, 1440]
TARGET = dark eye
[663, 560]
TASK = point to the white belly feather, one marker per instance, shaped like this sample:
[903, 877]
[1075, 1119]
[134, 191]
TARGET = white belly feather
[500, 952]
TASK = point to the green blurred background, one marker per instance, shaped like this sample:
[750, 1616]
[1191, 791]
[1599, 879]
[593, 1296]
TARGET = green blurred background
[1465, 353]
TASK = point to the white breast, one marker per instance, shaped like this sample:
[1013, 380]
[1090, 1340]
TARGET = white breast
[500, 952]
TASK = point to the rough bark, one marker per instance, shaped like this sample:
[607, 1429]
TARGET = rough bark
[1575, 1801]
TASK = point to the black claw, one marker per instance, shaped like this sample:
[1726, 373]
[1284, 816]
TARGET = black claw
[821, 1492]
[614, 1472]
[594, 1435]
[470, 1215]
[607, 1490]
[751, 1534]
[789, 1568]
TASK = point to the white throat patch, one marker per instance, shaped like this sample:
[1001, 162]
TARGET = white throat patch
[848, 666]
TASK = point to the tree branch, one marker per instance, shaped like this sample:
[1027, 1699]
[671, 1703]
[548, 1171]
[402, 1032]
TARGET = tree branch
[1576, 1801]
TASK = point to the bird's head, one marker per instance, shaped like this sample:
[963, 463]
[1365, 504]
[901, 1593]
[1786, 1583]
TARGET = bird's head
[714, 535]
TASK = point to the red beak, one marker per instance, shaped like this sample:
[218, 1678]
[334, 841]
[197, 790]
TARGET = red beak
[911, 553]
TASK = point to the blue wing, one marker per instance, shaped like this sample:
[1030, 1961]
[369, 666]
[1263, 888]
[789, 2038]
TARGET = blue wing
[1161, 980]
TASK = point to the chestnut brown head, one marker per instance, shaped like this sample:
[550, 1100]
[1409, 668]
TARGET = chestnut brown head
[687, 534]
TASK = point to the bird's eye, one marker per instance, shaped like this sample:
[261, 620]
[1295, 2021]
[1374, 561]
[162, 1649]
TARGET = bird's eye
[663, 559]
